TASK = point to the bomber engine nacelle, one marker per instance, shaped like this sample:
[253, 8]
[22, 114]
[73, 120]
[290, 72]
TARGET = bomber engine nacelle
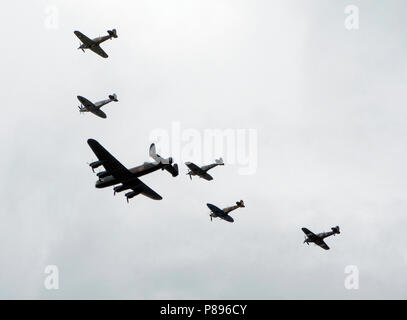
[95, 164]
[120, 188]
[131, 194]
[103, 174]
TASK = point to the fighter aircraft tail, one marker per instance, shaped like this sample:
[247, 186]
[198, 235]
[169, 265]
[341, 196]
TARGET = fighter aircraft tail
[113, 97]
[335, 230]
[219, 162]
[240, 204]
[112, 33]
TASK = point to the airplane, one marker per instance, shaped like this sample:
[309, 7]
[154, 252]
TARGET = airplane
[117, 174]
[318, 239]
[202, 172]
[87, 106]
[224, 213]
[94, 44]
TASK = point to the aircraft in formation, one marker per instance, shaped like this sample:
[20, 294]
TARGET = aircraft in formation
[94, 44]
[202, 172]
[318, 239]
[87, 106]
[224, 213]
[117, 174]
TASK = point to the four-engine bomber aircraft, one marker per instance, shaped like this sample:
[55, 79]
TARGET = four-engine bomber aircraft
[94, 44]
[87, 106]
[115, 173]
[224, 213]
[202, 172]
[318, 239]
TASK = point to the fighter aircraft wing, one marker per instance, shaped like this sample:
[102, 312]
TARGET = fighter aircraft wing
[308, 233]
[99, 113]
[193, 167]
[206, 176]
[98, 50]
[110, 163]
[322, 244]
[215, 209]
[85, 40]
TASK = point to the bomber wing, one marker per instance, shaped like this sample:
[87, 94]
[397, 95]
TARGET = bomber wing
[110, 163]
[146, 190]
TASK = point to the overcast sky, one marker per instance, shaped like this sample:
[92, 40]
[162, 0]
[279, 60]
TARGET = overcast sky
[328, 108]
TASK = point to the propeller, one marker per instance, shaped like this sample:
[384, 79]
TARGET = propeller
[305, 241]
[210, 217]
[93, 169]
[80, 46]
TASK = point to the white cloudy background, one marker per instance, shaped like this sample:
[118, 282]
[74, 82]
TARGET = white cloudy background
[329, 109]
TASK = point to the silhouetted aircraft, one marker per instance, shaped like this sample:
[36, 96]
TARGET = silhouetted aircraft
[224, 213]
[94, 44]
[318, 239]
[87, 106]
[115, 173]
[202, 172]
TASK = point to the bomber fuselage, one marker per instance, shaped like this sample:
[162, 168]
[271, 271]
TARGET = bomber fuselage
[139, 171]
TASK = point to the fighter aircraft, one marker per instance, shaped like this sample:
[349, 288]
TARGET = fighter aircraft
[318, 239]
[94, 44]
[224, 213]
[87, 106]
[202, 172]
[117, 174]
